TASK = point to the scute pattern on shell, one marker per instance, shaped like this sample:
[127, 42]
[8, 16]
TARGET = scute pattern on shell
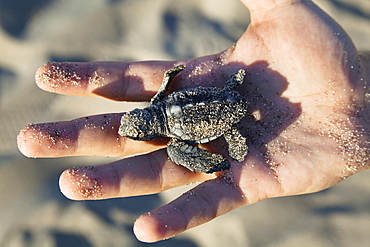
[206, 119]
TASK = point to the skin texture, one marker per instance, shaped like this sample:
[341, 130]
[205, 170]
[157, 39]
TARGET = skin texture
[307, 128]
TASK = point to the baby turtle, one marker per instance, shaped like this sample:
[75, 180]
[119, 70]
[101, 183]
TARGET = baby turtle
[189, 117]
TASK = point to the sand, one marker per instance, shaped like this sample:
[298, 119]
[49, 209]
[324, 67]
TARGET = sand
[33, 212]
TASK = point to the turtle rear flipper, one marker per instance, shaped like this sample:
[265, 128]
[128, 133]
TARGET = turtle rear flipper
[234, 81]
[238, 148]
[194, 158]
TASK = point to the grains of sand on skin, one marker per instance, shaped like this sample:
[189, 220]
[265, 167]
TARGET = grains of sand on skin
[87, 186]
[60, 75]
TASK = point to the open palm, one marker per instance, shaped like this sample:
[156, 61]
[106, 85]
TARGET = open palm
[305, 128]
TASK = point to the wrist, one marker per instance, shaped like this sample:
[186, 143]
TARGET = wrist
[364, 83]
[358, 146]
[354, 141]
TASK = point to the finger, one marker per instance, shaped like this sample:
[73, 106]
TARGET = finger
[263, 6]
[114, 80]
[140, 175]
[240, 186]
[93, 135]
[198, 206]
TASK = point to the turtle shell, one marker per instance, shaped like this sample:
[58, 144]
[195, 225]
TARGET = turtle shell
[202, 114]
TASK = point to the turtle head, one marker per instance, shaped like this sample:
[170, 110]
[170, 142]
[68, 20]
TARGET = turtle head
[139, 124]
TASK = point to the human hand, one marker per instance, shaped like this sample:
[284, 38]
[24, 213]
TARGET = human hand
[307, 128]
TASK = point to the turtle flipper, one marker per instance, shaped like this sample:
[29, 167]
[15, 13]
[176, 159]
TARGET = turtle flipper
[238, 148]
[167, 78]
[235, 80]
[194, 158]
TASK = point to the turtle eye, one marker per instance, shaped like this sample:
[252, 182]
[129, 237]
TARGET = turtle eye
[143, 128]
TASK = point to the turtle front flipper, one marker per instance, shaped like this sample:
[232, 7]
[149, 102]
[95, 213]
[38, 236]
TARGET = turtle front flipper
[194, 158]
[167, 79]
[238, 148]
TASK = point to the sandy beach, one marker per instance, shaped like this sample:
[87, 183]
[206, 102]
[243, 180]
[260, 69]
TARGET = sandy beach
[33, 212]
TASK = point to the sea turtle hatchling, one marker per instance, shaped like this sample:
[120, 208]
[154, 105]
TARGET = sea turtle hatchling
[189, 117]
